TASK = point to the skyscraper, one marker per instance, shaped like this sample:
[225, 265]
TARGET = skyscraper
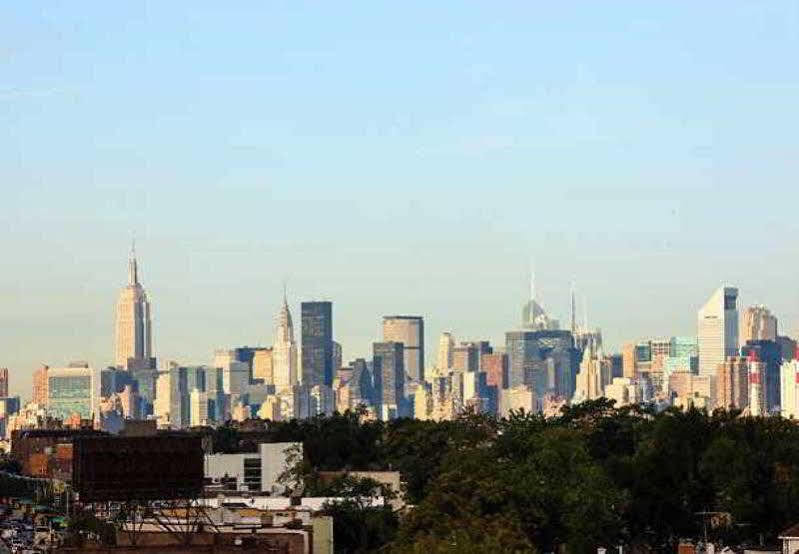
[409, 330]
[317, 343]
[789, 389]
[718, 329]
[133, 326]
[533, 315]
[757, 323]
[284, 350]
[732, 383]
[3, 382]
[389, 378]
[446, 348]
[40, 386]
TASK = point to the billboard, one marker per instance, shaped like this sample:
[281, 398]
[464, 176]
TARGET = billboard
[157, 467]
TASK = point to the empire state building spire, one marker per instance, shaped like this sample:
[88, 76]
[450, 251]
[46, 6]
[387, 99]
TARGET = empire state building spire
[133, 270]
[133, 337]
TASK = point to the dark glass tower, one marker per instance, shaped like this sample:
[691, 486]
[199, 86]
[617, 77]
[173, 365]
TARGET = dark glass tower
[317, 343]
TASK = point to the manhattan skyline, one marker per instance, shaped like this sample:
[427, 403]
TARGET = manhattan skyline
[406, 161]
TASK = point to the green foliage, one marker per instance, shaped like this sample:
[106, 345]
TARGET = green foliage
[593, 476]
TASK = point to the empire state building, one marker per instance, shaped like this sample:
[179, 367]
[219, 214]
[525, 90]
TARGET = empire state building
[133, 326]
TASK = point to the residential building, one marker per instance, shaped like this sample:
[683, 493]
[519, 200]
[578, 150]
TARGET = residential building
[757, 323]
[317, 343]
[40, 386]
[133, 337]
[409, 330]
[757, 397]
[732, 383]
[718, 329]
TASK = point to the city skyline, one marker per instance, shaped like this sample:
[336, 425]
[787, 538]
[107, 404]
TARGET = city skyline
[609, 143]
[21, 384]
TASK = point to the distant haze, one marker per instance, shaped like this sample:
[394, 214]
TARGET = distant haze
[395, 160]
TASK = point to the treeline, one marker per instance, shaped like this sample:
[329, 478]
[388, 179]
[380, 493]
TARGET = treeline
[594, 476]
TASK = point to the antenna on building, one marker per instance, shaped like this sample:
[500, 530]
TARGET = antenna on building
[573, 311]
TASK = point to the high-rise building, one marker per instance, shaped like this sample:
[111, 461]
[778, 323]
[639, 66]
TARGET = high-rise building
[133, 325]
[317, 343]
[534, 318]
[495, 366]
[389, 378]
[40, 386]
[466, 357]
[770, 354]
[628, 361]
[757, 399]
[718, 329]
[732, 383]
[409, 330]
[338, 354]
[262, 366]
[284, 350]
[787, 346]
[446, 349]
[789, 389]
[757, 323]
[73, 392]
[593, 377]
[547, 360]
[3, 382]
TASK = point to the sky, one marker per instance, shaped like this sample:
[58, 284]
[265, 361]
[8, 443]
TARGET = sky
[412, 158]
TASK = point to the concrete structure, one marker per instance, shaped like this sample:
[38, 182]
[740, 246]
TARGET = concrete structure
[133, 337]
[495, 366]
[446, 349]
[198, 408]
[770, 353]
[466, 357]
[623, 390]
[409, 330]
[757, 323]
[3, 382]
[789, 389]
[628, 361]
[757, 397]
[594, 375]
[732, 383]
[73, 391]
[718, 329]
[518, 398]
[263, 366]
[40, 386]
[257, 471]
[317, 343]
[389, 378]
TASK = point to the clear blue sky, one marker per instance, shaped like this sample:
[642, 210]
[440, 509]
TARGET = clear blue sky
[394, 159]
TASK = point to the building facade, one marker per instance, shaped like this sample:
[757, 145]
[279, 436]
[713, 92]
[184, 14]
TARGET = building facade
[718, 329]
[73, 391]
[409, 330]
[133, 337]
[317, 343]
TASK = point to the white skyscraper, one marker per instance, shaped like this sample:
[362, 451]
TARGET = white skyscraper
[284, 350]
[789, 389]
[446, 350]
[133, 326]
[718, 329]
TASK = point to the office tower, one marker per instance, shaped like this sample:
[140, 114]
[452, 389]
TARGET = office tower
[409, 330]
[547, 360]
[73, 392]
[757, 400]
[133, 325]
[732, 383]
[389, 377]
[643, 357]
[360, 384]
[660, 347]
[337, 357]
[198, 408]
[616, 365]
[40, 386]
[770, 354]
[787, 346]
[628, 361]
[718, 329]
[495, 366]
[466, 357]
[534, 318]
[262, 366]
[789, 389]
[317, 343]
[284, 350]
[446, 350]
[517, 399]
[594, 375]
[3, 382]
[757, 323]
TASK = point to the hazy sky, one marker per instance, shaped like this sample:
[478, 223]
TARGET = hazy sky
[394, 159]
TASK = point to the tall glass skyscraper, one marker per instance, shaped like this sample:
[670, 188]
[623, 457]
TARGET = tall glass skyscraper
[409, 330]
[317, 343]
